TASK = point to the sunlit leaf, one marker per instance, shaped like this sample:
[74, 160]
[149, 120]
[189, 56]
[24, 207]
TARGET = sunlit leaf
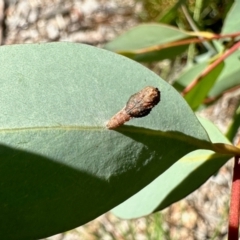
[60, 166]
[198, 93]
[182, 178]
[232, 22]
[149, 42]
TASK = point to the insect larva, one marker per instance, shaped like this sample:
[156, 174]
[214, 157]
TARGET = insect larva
[139, 105]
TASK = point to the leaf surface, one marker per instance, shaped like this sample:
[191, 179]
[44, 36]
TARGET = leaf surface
[178, 181]
[228, 78]
[232, 22]
[188, 75]
[60, 167]
[149, 42]
[198, 93]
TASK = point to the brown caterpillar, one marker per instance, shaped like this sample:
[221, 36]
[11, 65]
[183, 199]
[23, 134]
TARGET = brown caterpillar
[139, 105]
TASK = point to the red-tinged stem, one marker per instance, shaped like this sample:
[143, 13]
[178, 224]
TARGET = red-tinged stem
[187, 41]
[231, 35]
[210, 68]
[234, 211]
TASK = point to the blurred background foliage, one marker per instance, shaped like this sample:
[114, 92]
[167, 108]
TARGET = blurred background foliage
[209, 15]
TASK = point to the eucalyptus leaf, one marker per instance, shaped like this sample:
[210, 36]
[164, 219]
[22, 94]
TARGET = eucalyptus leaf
[228, 78]
[149, 42]
[60, 167]
[178, 181]
[198, 93]
[146, 35]
[233, 127]
[232, 22]
[188, 75]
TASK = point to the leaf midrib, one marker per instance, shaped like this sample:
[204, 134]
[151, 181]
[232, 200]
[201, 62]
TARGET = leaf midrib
[202, 144]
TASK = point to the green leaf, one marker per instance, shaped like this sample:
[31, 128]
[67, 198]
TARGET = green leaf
[178, 181]
[229, 77]
[149, 36]
[234, 125]
[151, 56]
[198, 93]
[60, 166]
[189, 75]
[146, 35]
[232, 22]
